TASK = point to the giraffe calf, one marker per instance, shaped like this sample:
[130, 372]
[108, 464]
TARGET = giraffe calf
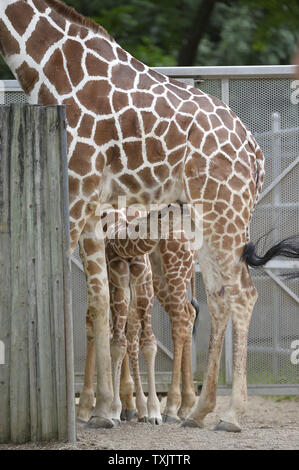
[132, 286]
[131, 303]
[172, 263]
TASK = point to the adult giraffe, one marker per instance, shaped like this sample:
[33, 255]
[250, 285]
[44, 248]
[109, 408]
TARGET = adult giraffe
[137, 133]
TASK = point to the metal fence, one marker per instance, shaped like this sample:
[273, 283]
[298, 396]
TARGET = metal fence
[267, 101]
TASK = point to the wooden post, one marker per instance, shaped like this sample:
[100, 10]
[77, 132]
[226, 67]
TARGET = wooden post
[37, 379]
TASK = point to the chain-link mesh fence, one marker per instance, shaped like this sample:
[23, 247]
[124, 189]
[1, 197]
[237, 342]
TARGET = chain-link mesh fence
[265, 106]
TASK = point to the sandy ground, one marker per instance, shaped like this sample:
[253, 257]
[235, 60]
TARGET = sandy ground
[270, 423]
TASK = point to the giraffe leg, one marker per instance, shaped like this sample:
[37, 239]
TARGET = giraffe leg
[126, 391]
[148, 346]
[244, 296]
[188, 392]
[142, 299]
[77, 224]
[119, 284]
[133, 327]
[172, 266]
[219, 308]
[87, 395]
[174, 392]
[119, 308]
[92, 250]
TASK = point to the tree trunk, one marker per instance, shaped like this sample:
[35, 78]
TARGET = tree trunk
[198, 29]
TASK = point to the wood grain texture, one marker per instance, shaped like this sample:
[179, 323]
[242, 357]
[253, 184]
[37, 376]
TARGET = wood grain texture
[35, 276]
[5, 277]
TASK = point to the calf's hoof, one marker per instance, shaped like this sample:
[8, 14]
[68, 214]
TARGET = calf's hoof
[226, 426]
[127, 415]
[191, 423]
[96, 422]
[144, 419]
[170, 419]
[155, 420]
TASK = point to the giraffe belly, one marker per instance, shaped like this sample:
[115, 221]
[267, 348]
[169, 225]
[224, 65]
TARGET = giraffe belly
[135, 192]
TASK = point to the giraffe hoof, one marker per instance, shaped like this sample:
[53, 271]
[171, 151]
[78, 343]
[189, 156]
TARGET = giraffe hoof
[170, 419]
[130, 414]
[157, 421]
[191, 423]
[81, 421]
[127, 415]
[226, 426]
[96, 422]
[144, 419]
[116, 422]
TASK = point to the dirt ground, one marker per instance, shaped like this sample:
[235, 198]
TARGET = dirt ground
[270, 423]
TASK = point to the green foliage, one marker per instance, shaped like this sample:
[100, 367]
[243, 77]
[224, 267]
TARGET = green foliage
[5, 73]
[145, 28]
[250, 34]
[240, 32]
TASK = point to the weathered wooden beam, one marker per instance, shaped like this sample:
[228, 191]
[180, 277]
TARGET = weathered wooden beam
[36, 382]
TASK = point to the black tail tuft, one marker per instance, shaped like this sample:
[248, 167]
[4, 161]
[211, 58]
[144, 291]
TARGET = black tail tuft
[289, 276]
[288, 248]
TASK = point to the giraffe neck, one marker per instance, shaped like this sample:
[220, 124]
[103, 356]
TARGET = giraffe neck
[34, 31]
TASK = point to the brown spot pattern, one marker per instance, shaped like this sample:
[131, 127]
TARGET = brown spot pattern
[73, 50]
[102, 47]
[119, 100]
[73, 112]
[105, 131]
[45, 97]
[123, 76]
[133, 151]
[130, 125]
[86, 126]
[174, 136]
[137, 65]
[130, 182]
[20, 14]
[148, 121]
[8, 43]
[54, 71]
[220, 167]
[163, 108]
[142, 100]
[80, 161]
[95, 66]
[45, 35]
[27, 77]
[154, 150]
[145, 82]
[94, 96]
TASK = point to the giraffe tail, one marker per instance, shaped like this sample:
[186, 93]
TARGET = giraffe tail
[288, 248]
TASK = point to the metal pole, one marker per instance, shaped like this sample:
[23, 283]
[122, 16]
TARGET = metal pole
[228, 339]
[276, 168]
